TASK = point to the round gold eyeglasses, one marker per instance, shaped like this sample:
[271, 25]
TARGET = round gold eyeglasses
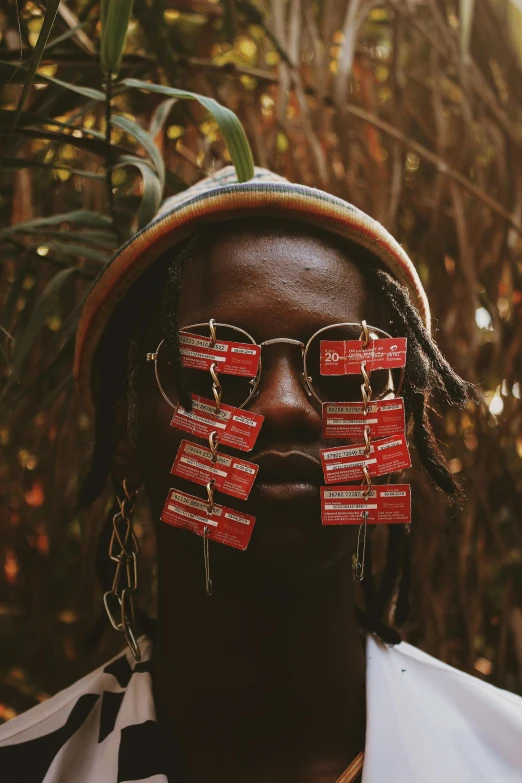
[238, 390]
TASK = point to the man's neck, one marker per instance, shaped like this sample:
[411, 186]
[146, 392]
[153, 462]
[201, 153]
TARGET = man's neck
[264, 687]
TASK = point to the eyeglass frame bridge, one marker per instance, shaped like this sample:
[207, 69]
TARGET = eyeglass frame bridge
[366, 335]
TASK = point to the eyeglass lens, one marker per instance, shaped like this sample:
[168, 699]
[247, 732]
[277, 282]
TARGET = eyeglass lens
[341, 388]
[235, 389]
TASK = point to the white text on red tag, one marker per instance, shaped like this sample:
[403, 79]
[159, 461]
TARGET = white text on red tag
[385, 504]
[223, 524]
[348, 419]
[228, 357]
[345, 357]
[231, 475]
[234, 426]
[346, 463]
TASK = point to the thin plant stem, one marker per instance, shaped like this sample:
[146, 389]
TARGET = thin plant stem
[108, 134]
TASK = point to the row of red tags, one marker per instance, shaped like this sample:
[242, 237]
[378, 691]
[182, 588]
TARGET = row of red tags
[337, 357]
[235, 477]
[239, 429]
[384, 504]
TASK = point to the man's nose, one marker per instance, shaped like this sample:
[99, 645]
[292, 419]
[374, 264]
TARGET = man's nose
[282, 397]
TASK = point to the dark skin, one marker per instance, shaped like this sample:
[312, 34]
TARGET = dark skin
[265, 681]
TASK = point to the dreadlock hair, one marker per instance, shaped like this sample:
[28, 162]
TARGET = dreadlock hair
[426, 371]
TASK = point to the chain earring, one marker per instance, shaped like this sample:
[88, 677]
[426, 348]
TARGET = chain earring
[123, 550]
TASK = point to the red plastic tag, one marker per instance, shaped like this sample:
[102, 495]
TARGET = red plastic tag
[344, 357]
[224, 524]
[386, 504]
[231, 475]
[345, 463]
[230, 358]
[348, 420]
[235, 427]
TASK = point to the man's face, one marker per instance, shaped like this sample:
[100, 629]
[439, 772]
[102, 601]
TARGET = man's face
[271, 282]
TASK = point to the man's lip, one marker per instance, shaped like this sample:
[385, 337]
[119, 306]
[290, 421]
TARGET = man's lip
[290, 467]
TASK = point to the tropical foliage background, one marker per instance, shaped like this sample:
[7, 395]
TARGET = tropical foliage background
[410, 109]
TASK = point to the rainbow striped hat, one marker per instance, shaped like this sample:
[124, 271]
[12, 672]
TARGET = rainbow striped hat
[215, 199]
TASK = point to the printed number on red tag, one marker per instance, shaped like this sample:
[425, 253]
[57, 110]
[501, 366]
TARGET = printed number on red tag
[348, 420]
[387, 504]
[224, 524]
[345, 463]
[235, 427]
[231, 475]
[344, 357]
[230, 358]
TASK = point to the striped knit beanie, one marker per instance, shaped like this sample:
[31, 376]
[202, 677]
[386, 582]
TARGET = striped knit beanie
[216, 199]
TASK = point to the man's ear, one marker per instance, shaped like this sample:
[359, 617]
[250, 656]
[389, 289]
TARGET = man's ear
[125, 462]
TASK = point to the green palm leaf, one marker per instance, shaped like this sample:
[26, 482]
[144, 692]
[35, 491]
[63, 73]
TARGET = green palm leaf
[228, 122]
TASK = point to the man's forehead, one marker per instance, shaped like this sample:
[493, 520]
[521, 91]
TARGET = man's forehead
[293, 274]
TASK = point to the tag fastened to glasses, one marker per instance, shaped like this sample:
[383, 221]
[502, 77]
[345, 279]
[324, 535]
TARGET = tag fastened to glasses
[235, 427]
[348, 419]
[345, 463]
[231, 475]
[223, 524]
[229, 357]
[386, 504]
[344, 357]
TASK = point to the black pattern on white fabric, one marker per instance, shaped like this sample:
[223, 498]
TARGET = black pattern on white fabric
[426, 721]
[111, 703]
[121, 669]
[102, 729]
[142, 752]
[28, 762]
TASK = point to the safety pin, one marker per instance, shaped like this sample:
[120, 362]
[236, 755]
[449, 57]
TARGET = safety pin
[206, 559]
[359, 564]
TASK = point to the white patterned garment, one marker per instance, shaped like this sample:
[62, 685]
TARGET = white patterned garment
[426, 723]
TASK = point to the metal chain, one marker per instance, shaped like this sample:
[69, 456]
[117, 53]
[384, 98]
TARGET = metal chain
[365, 334]
[366, 390]
[123, 550]
[210, 494]
[213, 335]
[217, 389]
[213, 445]
[367, 442]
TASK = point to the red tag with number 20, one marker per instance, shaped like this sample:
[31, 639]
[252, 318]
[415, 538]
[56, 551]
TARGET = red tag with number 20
[344, 357]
